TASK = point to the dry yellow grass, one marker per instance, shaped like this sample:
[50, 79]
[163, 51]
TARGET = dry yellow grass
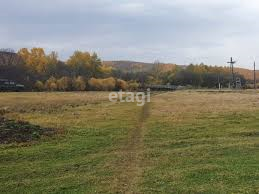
[31, 101]
[182, 105]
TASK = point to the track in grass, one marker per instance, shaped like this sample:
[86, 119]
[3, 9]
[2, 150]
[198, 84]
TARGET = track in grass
[131, 155]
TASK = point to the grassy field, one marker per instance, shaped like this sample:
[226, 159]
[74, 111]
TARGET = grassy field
[181, 142]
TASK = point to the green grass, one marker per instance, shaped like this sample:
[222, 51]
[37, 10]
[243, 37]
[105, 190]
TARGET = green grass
[186, 144]
[212, 154]
[81, 160]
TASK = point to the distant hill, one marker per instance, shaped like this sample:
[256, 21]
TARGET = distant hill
[248, 74]
[141, 66]
[136, 66]
[129, 65]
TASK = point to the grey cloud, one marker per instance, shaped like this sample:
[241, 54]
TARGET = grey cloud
[180, 31]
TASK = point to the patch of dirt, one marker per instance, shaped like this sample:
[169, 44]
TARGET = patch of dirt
[19, 131]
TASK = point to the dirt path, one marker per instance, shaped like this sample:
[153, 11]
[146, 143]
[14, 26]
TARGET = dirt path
[131, 156]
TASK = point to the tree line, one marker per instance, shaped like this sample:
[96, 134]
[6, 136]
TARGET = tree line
[197, 76]
[40, 71]
[85, 71]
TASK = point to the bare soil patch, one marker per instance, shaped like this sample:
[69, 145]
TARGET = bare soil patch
[19, 131]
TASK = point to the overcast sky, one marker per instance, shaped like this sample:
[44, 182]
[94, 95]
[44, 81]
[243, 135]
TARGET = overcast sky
[177, 31]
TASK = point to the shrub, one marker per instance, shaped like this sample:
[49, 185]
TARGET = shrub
[79, 83]
[133, 85]
[39, 86]
[121, 84]
[102, 84]
[64, 84]
[51, 84]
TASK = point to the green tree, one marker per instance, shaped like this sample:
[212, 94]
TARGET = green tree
[96, 64]
[52, 62]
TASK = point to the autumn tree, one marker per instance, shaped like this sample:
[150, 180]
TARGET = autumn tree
[35, 59]
[79, 63]
[84, 64]
[24, 53]
[157, 70]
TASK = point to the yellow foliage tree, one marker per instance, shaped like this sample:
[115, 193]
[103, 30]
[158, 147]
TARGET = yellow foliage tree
[79, 62]
[24, 53]
[83, 63]
[38, 60]
[52, 58]
[35, 59]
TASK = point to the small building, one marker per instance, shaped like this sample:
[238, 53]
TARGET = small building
[9, 85]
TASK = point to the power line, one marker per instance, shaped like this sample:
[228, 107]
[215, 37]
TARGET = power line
[231, 62]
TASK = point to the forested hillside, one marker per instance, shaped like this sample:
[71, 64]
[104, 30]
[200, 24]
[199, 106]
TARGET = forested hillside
[134, 66]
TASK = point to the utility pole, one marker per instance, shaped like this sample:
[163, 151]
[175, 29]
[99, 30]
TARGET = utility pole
[219, 85]
[254, 77]
[231, 62]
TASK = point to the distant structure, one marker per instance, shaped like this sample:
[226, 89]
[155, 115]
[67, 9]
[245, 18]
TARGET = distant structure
[231, 62]
[238, 83]
[9, 73]
[9, 85]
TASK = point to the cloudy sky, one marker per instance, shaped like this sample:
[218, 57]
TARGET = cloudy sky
[177, 31]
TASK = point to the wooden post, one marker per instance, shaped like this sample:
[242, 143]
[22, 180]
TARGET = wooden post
[231, 62]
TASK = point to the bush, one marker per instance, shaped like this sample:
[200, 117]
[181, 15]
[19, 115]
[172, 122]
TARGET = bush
[133, 85]
[39, 86]
[102, 84]
[51, 84]
[64, 84]
[79, 84]
[121, 84]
